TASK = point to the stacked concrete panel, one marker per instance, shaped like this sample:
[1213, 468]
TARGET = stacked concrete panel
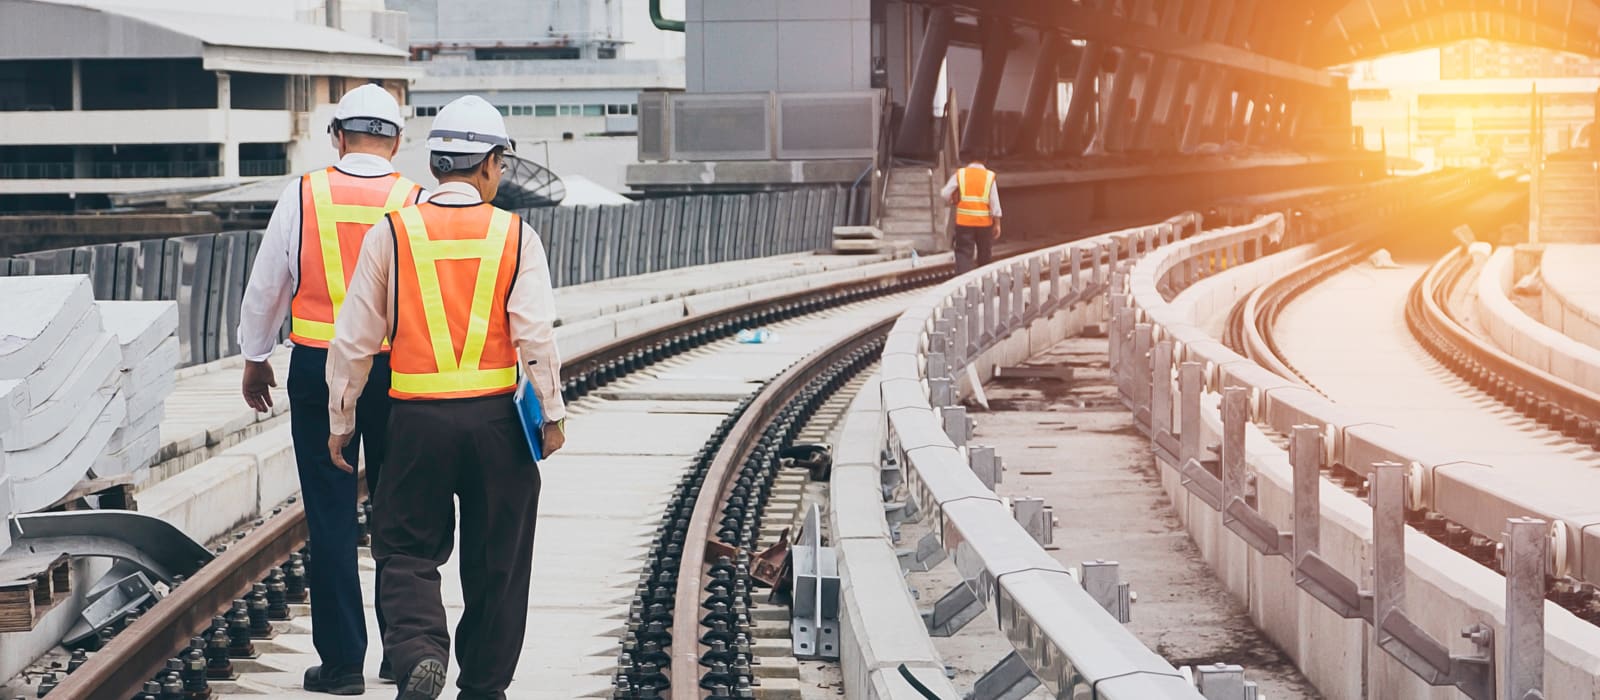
[55, 345]
[146, 333]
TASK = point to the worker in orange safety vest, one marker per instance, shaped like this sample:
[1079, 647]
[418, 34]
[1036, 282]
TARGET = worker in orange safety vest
[302, 269]
[462, 288]
[972, 191]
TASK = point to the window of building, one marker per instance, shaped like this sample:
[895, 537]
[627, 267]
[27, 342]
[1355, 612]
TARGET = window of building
[563, 53]
[427, 111]
[504, 110]
[594, 110]
[521, 110]
[544, 110]
[606, 52]
[571, 110]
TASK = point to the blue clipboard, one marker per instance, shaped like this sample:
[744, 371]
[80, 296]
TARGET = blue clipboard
[531, 411]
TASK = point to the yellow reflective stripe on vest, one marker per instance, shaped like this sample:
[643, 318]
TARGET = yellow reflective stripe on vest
[453, 374]
[315, 330]
[329, 216]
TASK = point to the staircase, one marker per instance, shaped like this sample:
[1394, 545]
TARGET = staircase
[912, 211]
[1569, 202]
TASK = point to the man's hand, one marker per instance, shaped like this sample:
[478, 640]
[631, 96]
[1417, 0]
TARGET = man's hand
[996, 231]
[336, 445]
[257, 379]
[554, 438]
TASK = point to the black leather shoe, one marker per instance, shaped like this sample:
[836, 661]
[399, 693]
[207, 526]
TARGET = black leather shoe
[385, 671]
[346, 681]
[425, 681]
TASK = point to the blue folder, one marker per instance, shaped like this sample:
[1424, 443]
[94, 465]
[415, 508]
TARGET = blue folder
[532, 414]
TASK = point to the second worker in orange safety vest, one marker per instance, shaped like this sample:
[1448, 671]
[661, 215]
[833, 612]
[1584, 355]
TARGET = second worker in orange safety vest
[463, 289]
[303, 269]
[977, 212]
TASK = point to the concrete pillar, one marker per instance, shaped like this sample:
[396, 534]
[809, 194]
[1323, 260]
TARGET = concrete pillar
[1155, 89]
[229, 148]
[1083, 97]
[1041, 90]
[917, 124]
[1114, 127]
[980, 119]
[1220, 21]
[77, 85]
[1202, 107]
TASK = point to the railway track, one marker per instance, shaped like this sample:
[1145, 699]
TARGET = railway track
[193, 635]
[1552, 402]
[1558, 404]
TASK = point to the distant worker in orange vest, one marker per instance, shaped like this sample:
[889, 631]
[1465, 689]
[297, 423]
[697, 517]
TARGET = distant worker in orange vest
[977, 201]
[303, 269]
[462, 288]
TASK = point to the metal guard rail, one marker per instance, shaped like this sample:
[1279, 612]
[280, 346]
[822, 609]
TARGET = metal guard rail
[1067, 639]
[1469, 493]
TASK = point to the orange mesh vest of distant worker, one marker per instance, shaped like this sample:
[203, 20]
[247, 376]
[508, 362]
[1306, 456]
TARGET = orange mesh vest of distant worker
[974, 186]
[336, 211]
[454, 267]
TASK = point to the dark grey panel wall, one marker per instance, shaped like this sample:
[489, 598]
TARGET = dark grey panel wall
[206, 274]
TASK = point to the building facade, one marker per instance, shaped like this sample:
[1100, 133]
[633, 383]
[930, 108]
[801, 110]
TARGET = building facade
[1479, 59]
[145, 99]
[555, 69]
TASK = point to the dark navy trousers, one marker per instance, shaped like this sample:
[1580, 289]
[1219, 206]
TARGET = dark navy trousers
[338, 624]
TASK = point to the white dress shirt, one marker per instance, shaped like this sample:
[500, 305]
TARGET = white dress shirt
[368, 317]
[276, 273]
[994, 191]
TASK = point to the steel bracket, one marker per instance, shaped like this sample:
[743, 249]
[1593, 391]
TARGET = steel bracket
[1009, 679]
[928, 554]
[1101, 581]
[814, 623]
[952, 611]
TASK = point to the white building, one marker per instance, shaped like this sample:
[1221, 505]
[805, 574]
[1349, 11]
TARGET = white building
[552, 67]
[99, 97]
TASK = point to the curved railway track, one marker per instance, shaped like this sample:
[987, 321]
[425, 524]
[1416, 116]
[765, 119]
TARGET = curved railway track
[1535, 394]
[1556, 403]
[192, 634]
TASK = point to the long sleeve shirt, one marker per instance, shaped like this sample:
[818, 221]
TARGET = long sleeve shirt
[994, 192]
[276, 273]
[369, 312]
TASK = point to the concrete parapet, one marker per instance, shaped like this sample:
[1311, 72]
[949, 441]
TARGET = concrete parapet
[880, 625]
[1527, 339]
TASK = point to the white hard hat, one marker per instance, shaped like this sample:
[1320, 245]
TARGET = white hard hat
[369, 109]
[469, 125]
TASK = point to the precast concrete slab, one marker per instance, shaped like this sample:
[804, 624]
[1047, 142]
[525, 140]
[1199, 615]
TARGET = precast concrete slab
[1348, 336]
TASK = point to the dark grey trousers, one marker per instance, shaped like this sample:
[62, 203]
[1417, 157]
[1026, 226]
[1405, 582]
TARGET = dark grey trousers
[969, 240]
[470, 451]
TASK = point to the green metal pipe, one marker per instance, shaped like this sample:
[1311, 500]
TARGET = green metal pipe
[662, 23]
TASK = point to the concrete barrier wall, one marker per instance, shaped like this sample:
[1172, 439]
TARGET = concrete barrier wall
[880, 626]
[1527, 339]
[1562, 310]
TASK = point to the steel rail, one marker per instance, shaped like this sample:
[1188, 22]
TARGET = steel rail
[720, 478]
[119, 670]
[1554, 402]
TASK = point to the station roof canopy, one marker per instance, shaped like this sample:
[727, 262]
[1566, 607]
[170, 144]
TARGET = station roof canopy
[1296, 39]
[87, 29]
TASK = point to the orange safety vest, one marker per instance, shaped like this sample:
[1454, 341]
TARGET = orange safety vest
[454, 267]
[336, 209]
[974, 185]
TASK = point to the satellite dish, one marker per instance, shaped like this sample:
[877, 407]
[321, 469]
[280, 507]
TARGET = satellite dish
[527, 185]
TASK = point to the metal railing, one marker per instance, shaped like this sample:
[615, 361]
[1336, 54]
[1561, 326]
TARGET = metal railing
[1061, 629]
[206, 274]
[1163, 364]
